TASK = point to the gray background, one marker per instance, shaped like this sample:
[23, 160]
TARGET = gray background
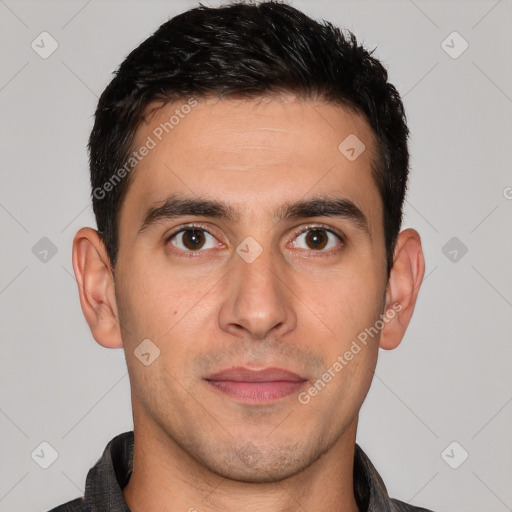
[450, 380]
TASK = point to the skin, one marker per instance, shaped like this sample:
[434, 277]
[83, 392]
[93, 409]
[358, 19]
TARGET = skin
[295, 306]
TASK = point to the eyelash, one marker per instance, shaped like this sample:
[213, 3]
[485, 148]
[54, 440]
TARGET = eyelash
[199, 227]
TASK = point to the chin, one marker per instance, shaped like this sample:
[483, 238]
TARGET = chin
[262, 464]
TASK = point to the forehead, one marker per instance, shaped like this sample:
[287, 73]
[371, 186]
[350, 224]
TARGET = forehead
[262, 150]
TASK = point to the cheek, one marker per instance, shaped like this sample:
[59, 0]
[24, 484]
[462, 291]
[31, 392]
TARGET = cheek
[351, 307]
[145, 304]
[348, 300]
[162, 302]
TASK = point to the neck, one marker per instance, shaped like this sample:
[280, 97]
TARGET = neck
[166, 479]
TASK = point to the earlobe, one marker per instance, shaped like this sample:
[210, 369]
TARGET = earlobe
[91, 265]
[403, 287]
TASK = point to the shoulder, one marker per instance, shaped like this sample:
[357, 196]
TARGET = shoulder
[77, 505]
[400, 506]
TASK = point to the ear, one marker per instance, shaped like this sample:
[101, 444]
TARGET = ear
[402, 289]
[96, 287]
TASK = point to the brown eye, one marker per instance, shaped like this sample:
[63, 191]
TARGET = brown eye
[316, 239]
[192, 239]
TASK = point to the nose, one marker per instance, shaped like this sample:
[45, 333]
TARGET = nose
[257, 303]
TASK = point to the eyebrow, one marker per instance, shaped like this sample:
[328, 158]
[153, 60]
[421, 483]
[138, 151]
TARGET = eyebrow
[321, 206]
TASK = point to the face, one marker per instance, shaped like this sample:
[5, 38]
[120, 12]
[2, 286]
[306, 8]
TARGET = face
[249, 241]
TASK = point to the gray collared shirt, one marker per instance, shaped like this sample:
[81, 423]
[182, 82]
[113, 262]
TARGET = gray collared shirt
[107, 478]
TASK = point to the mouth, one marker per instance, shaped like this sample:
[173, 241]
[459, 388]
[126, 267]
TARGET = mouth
[256, 386]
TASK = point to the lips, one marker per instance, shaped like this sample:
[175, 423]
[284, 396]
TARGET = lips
[256, 386]
[246, 375]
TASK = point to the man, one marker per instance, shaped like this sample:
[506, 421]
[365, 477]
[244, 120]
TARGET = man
[248, 170]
